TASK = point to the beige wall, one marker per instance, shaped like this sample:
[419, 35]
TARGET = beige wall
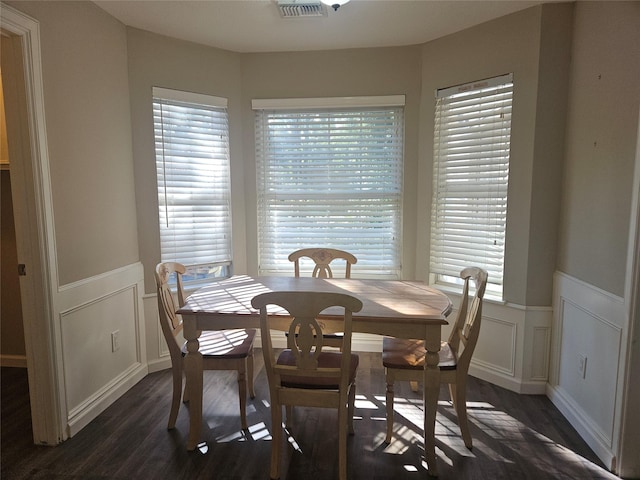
[601, 142]
[86, 93]
[548, 150]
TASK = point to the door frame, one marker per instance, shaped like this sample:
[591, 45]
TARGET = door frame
[33, 206]
[629, 436]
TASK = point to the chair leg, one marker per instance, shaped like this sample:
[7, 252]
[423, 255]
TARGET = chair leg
[350, 407]
[242, 392]
[342, 441]
[276, 440]
[185, 395]
[459, 396]
[252, 392]
[175, 400]
[389, 410]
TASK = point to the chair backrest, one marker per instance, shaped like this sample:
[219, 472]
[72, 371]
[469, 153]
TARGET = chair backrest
[322, 258]
[466, 328]
[170, 321]
[305, 333]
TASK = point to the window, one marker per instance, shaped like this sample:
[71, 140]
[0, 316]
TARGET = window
[330, 175]
[471, 173]
[192, 164]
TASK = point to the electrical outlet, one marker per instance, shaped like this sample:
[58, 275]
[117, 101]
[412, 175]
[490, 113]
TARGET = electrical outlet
[582, 366]
[115, 340]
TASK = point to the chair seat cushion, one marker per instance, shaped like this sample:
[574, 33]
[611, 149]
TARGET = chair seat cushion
[409, 354]
[325, 360]
[235, 343]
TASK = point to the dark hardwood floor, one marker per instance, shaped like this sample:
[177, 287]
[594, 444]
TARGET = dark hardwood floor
[514, 436]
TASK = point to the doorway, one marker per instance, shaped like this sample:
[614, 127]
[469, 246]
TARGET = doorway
[33, 218]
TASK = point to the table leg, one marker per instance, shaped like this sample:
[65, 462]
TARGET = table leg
[431, 394]
[192, 364]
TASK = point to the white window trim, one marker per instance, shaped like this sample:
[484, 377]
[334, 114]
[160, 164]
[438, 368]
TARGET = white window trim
[328, 102]
[190, 97]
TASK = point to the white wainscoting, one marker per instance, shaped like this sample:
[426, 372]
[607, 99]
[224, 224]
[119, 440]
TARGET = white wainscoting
[512, 351]
[587, 327]
[513, 347]
[93, 374]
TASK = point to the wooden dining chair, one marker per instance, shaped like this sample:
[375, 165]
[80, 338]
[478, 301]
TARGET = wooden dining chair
[304, 374]
[405, 359]
[322, 258]
[221, 350]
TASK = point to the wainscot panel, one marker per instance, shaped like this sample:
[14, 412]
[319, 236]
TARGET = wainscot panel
[102, 342]
[513, 347]
[586, 348]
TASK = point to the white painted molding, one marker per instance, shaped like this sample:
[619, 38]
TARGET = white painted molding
[86, 290]
[88, 304]
[628, 420]
[159, 364]
[328, 102]
[599, 442]
[98, 403]
[597, 423]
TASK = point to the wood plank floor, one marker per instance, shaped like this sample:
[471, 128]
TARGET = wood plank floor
[515, 436]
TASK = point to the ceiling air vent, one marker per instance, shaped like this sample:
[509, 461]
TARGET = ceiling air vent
[301, 8]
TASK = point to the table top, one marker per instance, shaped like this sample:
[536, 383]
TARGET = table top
[383, 300]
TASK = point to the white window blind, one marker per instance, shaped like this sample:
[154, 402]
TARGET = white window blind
[330, 177]
[471, 173]
[193, 179]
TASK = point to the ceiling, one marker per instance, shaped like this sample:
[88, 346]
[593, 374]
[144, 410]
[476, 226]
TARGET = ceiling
[257, 26]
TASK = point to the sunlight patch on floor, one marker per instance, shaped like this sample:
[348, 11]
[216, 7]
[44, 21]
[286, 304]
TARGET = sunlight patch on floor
[203, 448]
[259, 431]
[363, 402]
[500, 426]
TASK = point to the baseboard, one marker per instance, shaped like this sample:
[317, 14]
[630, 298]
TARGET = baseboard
[589, 432]
[94, 406]
[510, 383]
[159, 364]
[19, 361]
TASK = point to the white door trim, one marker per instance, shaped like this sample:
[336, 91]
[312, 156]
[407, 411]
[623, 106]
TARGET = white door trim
[629, 418]
[35, 229]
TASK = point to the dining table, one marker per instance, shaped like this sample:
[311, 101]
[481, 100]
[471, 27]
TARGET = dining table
[398, 308]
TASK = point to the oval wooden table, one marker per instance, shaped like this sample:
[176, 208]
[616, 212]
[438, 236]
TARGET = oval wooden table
[390, 307]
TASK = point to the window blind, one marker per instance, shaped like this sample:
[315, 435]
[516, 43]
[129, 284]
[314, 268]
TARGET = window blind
[471, 173]
[330, 177]
[193, 179]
